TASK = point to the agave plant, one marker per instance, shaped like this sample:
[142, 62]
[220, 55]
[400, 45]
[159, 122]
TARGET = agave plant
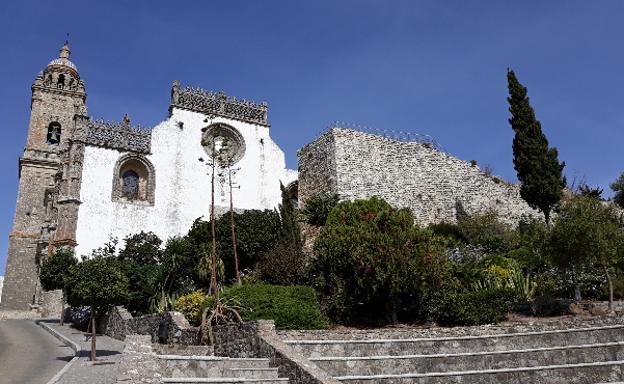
[163, 303]
[522, 284]
[222, 311]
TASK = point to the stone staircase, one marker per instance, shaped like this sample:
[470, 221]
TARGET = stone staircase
[582, 355]
[217, 370]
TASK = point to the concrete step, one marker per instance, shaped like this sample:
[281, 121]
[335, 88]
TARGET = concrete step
[251, 373]
[463, 344]
[223, 380]
[177, 366]
[406, 364]
[586, 373]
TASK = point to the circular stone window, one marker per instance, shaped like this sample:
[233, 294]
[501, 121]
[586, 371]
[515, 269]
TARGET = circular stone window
[223, 143]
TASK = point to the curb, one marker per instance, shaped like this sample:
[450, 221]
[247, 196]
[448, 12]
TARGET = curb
[73, 345]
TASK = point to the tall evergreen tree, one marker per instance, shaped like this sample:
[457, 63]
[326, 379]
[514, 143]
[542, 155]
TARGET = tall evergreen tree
[537, 165]
[290, 228]
[618, 187]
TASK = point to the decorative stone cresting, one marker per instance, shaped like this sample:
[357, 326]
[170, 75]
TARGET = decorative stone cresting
[434, 185]
[118, 135]
[219, 104]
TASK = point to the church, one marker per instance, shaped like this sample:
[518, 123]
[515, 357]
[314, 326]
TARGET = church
[83, 181]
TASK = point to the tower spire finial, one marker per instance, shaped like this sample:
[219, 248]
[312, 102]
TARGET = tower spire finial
[64, 52]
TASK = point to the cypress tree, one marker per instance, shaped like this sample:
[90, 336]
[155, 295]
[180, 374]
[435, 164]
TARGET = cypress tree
[537, 165]
[290, 228]
[618, 187]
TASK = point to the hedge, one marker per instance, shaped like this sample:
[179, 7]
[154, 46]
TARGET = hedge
[291, 307]
[487, 306]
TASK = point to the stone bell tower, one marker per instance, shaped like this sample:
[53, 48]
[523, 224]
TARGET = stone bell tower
[47, 189]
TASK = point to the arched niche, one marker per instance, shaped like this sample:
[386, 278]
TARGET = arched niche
[134, 180]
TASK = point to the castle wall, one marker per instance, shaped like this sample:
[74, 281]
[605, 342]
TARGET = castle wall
[434, 185]
[317, 167]
[182, 183]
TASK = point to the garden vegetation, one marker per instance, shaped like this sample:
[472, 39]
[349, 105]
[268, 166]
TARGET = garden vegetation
[370, 263]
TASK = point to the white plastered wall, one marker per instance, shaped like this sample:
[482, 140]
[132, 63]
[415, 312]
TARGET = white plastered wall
[182, 192]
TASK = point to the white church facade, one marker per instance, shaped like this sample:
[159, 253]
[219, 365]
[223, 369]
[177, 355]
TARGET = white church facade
[174, 184]
[83, 181]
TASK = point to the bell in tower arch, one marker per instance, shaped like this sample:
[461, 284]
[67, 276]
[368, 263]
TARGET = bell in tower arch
[54, 133]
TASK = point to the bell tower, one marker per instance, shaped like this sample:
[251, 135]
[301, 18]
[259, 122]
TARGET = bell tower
[57, 107]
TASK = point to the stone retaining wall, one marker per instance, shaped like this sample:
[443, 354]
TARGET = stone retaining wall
[434, 185]
[51, 304]
[166, 328]
[532, 325]
[256, 339]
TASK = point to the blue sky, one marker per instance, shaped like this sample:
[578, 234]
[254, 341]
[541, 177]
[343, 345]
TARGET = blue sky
[430, 67]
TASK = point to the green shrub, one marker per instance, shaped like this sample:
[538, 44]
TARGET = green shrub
[546, 284]
[257, 232]
[544, 306]
[487, 231]
[142, 248]
[449, 230]
[191, 305]
[317, 208]
[143, 285]
[372, 254]
[283, 265]
[54, 269]
[489, 306]
[293, 307]
[97, 282]
[587, 234]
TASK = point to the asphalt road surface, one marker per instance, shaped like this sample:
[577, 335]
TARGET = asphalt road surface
[29, 354]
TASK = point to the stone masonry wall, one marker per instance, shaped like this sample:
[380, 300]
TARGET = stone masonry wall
[51, 304]
[436, 186]
[258, 339]
[317, 167]
[169, 327]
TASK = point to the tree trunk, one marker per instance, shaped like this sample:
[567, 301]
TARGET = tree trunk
[214, 289]
[577, 286]
[610, 282]
[93, 348]
[61, 322]
[233, 227]
[392, 306]
[547, 217]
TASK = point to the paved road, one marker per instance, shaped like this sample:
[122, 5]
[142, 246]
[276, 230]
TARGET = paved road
[28, 354]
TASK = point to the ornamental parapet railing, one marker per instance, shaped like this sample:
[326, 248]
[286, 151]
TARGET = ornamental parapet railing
[219, 104]
[119, 135]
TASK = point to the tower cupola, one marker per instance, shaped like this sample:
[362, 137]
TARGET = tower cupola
[57, 94]
[61, 73]
[63, 59]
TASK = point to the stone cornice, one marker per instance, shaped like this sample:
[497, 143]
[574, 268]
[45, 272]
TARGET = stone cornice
[60, 91]
[37, 162]
[68, 200]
